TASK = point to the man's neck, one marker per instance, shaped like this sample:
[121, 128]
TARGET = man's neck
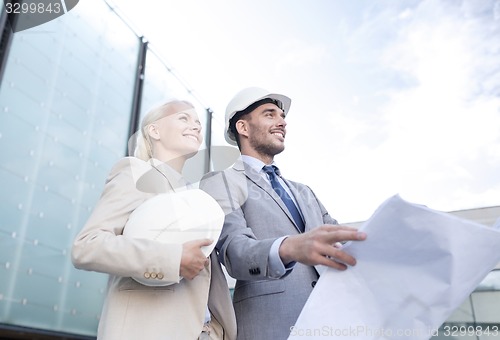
[266, 159]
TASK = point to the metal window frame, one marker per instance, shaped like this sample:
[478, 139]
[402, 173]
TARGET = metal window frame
[5, 41]
[135, 113]
[19, 332]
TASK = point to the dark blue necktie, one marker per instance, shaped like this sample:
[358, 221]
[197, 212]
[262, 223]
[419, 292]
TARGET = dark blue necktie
[292, 208]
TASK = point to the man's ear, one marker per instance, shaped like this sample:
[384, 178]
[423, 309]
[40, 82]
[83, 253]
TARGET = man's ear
[153, 131]
[242, 127]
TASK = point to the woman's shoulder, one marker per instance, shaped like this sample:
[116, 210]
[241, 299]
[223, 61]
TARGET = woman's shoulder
[130, 166]
[129, 162]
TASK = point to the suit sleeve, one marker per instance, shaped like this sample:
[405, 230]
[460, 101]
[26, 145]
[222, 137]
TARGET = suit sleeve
[100, 245]
[244, 257]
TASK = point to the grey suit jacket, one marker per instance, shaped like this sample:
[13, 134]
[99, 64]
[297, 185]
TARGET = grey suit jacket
[132, 310]
[266, 308]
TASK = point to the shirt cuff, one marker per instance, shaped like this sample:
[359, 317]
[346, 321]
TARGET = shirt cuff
[276, 267]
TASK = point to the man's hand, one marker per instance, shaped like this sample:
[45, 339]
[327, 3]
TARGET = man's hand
[320, 246]
[193, 260]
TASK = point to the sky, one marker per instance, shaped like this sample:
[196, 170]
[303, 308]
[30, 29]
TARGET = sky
[388, 97]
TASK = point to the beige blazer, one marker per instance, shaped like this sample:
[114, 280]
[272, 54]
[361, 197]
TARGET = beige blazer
[132, 310]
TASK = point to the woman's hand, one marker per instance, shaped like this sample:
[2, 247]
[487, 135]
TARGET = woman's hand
[193, 260]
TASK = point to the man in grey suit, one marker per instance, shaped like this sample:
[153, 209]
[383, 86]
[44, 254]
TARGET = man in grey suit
[276, 233]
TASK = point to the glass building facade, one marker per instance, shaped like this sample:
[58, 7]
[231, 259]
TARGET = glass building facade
[72, 91]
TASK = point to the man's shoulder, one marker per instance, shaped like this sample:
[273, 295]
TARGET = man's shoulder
[220, 174]
[298, 184]
[230, 180]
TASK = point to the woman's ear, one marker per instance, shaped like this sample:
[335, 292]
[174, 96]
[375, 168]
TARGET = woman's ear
[153, 131]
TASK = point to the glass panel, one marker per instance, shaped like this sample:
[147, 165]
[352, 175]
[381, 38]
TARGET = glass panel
[65, 104]
[479, 316]
[487, 306]
[160, 86]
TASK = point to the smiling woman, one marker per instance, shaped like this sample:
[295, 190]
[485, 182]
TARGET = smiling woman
[166, 286]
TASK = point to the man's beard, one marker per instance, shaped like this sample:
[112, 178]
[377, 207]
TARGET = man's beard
[267, 149]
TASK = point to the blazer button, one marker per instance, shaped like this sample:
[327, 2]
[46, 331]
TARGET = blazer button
[147, 275]
[254, 271]
[313, 284]
[160, 276]
[153, 275]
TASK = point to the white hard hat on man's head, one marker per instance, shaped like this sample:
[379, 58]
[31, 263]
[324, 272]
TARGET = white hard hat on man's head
[247, 97]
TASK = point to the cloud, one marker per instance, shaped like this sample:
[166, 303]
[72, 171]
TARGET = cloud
[440, 127]
[435, 136]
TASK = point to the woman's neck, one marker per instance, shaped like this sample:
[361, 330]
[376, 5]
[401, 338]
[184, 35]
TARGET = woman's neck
[176, 162]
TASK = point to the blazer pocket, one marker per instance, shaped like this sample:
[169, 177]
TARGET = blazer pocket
[258, 288]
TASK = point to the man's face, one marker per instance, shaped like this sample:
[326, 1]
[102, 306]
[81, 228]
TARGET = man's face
[266, 130]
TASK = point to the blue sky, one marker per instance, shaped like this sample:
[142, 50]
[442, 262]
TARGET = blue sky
[387, 96]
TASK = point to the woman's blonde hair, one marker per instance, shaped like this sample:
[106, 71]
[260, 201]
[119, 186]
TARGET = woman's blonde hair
[144, 147]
